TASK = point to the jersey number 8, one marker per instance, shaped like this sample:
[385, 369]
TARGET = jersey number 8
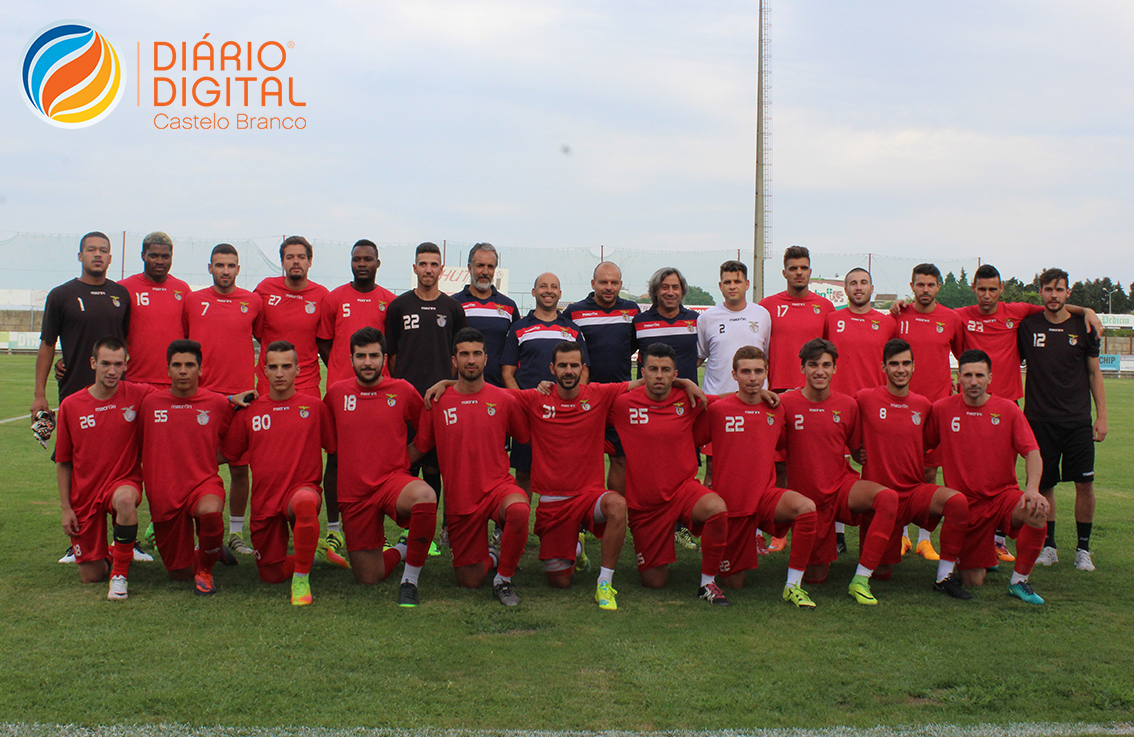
[261, 422]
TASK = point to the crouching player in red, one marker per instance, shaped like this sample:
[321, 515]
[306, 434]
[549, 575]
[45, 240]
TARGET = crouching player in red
[284, 433]
[96, 457]
[181, 431]
[893, 421]
[821, 426]
[655, 424]
[370, 413]
[468, 425]
[978, 436]
[745, 432]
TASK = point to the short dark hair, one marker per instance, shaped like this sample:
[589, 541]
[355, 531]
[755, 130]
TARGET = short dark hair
[93, 234]
[565, 346]
[184, 345]
[926, 270]
[975, 355]
[748, 353]
[731, 267]
[226, 248]
[857, 268]
[466, 335]
[796, 252]
[986, 271]
[660, 350]
[426, 247]
[279, 346]
[110, 343]
[814, 349]
[293, 240]
[893, 347]
[1050, 275]
[361, 242]
[368, 335]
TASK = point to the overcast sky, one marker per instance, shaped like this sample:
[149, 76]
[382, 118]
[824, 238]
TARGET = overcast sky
[1003, 131]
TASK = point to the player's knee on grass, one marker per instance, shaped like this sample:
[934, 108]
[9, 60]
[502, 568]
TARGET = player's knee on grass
[973, 576]
[273, 572]
[368, 566]
[471, 576]
[181, 574]
[93, 571]
[559, 572]
[733, 580]
[655, 578]
[883, 572]
[816, 573]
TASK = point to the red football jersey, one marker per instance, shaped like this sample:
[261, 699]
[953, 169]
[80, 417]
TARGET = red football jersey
[568, 437]
[818, 436]
[294, 317]
[994, 334]
[860, 340]
[224, 325]
[745, 438]
[892, 435]
[794, 322]
[342, 312]
[155, 322]
[932, 336]
[978, 445]
[286, 440]
[370, 432]
[468, 431]
[100, 440]
[658, 440]
[180, 438]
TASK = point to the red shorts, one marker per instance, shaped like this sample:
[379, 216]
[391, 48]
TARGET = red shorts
[913, 506]
[363, 521]
[740, 551]
[468, 533]
[270, 535]
[652, 529]
[834, 508]
[985, 517]
[932, 458]
[558, 522]
[174, 536]
[91, 542]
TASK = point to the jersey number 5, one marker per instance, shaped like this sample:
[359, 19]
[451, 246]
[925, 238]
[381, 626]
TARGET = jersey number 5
[450, 413]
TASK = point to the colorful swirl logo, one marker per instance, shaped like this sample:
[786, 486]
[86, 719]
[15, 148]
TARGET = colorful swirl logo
[72, 76]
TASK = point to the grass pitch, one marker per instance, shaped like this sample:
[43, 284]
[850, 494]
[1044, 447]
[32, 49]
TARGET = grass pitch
[246, 659]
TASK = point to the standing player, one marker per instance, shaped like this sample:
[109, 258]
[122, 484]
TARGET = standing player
[979, 436]
[798, 315]
[370, 413]
[656, 426]
[291, 313]
[893, 422]
[669, 321]
[156, 304]
[96, 456]
[487, 308]
[821, 425]
[189, 492]
[745, 431]
[283, 434]
[527, 354]
[859, 332]
[467, 425]
[223, 319]
[607, 323]
[353, 306]
[1063, 377]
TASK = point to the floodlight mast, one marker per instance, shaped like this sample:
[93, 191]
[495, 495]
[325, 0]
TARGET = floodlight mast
[763, 209]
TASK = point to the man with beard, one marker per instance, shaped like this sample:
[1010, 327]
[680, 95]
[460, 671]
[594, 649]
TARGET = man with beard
[487, 308]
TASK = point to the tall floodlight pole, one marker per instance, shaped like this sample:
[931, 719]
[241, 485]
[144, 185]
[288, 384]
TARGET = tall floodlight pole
[763, 169]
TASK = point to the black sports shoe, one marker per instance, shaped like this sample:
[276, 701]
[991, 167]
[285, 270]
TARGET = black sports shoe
[226, 556]
[505, 595]
[407, 594]
[952, 587]
[712, 593]
[840, 543]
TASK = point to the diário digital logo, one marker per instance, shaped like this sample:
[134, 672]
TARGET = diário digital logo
[71, 74]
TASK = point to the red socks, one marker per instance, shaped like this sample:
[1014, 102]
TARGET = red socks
[954, 528]
[514, 537]
[1028, 547]
[210, 537]
[305, 534]
[714, 537]
[802, 540]
[123, 552]
[881, 527]
[422, 527]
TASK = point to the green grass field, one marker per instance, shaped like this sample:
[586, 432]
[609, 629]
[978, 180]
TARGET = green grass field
[246, 659]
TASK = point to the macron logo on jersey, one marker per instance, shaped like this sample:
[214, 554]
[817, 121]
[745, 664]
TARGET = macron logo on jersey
[660, 329]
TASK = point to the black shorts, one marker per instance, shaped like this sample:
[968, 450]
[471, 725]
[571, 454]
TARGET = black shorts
[1067, 444]
[521, 456]
[612, 446]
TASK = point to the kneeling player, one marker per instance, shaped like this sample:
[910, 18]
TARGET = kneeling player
[821, 426]
[893, 421]
[468, 425]
[284, 433]
[96, 456]
[979, 435]
[745, 431]
[370, 413]
[655, 424]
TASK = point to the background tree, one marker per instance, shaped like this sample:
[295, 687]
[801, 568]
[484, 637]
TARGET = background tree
[698, 296]
[956, 292]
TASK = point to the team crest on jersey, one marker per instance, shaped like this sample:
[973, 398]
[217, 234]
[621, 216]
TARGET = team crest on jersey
[115, 301]
[771, 419]
[693, 328]
[873, 324]
[243, 306]
[995, 419]
[501, 311]
[1072, 339]
[626, 316]
[585, 404]
[753, 326]
[305, 412]
[491, 408]
[382, 306]
[679, 407]
[1009, 324]
[565, 333]
[129, 414]
[941, 327]
[177, 295]
[202, 417]
[310, 308]
[836, 416]
[815, 308]
[442, 321]
[916, 418]
[391, 399]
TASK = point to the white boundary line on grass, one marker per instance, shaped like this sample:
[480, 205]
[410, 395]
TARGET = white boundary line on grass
[1022, 729]
[13, 419]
